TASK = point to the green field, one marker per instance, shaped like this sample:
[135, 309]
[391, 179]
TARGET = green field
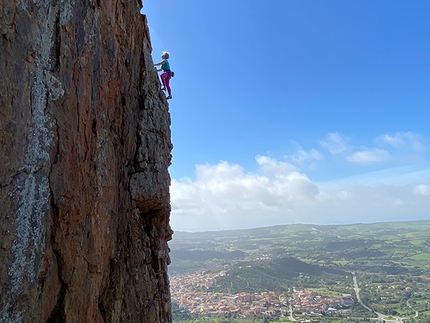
[421, 256]
[391, 261]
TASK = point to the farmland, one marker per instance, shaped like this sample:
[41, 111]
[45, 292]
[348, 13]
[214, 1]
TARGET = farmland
[390, 262]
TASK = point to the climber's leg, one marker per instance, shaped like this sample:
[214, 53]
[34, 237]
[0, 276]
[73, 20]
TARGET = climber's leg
[163, 80]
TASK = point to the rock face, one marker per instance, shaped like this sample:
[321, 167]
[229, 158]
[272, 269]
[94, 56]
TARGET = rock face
[84, 152]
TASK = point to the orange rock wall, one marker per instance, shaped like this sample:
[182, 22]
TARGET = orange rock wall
[84, 155]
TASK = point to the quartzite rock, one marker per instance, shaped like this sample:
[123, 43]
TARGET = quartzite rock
[85, 148]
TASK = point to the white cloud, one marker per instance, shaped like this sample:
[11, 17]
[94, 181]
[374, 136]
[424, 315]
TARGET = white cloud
[338, 144]
[272, 166]
[342, 195]
[226, 191]
[399, 176]
[369, 156]
[303, 157]
[224, 196]
[422, 189]
[335, 143]
[409, 140]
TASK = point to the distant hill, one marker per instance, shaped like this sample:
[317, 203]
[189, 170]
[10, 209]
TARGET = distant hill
[390, 262]
[203, 255]
[386, 247]
[296, 266]
[275, 275]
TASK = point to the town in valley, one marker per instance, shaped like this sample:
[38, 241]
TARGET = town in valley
[303, 273]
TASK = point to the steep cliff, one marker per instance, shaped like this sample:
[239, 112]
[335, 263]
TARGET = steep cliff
[85, 147]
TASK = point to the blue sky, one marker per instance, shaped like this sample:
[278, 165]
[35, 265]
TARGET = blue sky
[296, 111]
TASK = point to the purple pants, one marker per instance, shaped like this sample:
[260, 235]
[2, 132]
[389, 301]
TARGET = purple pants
[165, 79]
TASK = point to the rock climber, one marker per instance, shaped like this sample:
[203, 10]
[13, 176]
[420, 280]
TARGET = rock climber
[167, 73]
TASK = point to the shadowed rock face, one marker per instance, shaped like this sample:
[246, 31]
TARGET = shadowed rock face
[84, 151]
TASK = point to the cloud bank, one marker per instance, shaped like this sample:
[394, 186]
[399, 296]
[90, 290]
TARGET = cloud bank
[225, 196]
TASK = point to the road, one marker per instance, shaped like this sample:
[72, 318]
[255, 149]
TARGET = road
[357, 292]
[409, 305]
[291, 311]
[381, 317]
